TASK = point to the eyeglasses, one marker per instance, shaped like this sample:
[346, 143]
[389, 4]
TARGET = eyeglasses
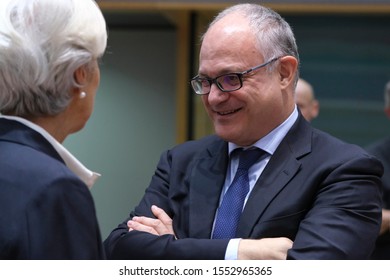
[226, 82]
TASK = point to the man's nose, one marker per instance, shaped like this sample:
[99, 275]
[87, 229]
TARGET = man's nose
[216, 95]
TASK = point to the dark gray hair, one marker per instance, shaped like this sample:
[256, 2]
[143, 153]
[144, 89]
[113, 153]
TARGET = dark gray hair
[42, 43]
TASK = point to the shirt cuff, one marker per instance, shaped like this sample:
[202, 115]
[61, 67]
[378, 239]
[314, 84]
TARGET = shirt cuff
[232, 249]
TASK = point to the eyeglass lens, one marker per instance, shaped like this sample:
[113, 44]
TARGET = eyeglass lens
[228, 82]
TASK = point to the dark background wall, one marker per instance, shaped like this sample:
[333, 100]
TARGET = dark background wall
[347, 60]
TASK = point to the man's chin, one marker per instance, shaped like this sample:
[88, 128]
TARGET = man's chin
[228, 136]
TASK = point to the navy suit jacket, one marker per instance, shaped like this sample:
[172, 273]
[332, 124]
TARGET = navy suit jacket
[381, 149]
[320, 192]
[46, 211]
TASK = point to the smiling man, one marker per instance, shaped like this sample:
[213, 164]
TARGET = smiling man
[267, 185]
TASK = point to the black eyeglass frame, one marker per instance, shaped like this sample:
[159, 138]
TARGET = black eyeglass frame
[239, 75]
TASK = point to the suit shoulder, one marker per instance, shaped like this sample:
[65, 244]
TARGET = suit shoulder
[323, 138]
[380, 147]
[339, 151]
[45, 171]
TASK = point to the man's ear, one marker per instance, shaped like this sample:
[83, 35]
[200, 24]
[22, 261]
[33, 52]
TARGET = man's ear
[387, 112]
[315, 108]
[287, 70]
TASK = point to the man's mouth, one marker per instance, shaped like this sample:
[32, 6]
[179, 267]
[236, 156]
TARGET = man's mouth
[224, 113]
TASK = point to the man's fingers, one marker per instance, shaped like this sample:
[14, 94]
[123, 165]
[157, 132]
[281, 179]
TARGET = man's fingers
[133, 225]
[161, 215]
[159, 226]
[150, 222]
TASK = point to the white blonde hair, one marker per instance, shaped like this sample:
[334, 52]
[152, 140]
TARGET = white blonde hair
[42, 43]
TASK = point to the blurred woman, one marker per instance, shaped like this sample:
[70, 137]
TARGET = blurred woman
[49, 75]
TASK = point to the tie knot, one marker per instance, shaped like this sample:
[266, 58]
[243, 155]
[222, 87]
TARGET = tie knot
[248, 157]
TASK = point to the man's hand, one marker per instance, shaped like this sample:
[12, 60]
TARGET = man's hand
[159, 226]
[264, 249]
[385, 227]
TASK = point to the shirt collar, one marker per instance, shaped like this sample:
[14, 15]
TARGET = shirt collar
[87, 176]
[271, 141]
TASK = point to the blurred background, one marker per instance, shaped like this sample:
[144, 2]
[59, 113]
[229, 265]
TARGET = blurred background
[145, 104]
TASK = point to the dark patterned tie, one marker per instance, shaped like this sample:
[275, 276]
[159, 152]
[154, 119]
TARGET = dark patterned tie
[230, 210]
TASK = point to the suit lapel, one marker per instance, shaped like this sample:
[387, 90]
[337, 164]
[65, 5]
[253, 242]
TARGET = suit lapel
[281, 168]
[207, 179]
[273, 179]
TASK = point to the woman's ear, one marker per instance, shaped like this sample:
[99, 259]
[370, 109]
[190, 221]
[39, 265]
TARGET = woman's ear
[80, 75]
[287, 70]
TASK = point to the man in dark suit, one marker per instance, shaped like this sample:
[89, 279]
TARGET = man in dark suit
[381, 149]
[311, 196]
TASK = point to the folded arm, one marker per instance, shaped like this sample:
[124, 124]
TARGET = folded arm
[249, 249]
